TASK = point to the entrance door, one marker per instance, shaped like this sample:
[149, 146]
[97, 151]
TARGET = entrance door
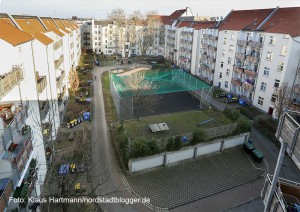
[270, 111]
[219, 85]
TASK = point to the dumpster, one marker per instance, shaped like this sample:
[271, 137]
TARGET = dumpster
[64, 169]
[248, 147]
[86, 116]
[257, 155]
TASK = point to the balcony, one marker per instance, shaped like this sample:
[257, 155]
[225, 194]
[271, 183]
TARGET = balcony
[249, 72]
[58, 62]
[41, 84]
[242, 42]
[240, 56]
[252, 58]
[238, 69]
[295, 105]
[10, 79]
[86, 38]
[6, 189]
[72, 45]
[213, 38]
[236, 82]
[171, 30]
[86, 33]
[255, 44]
[205, 45]
[62, 94]
[296, 89]
[87, 44]
[247, 86]
[57, 44]
[286, 194]
[60, 79]
[205, 36]
[212, 48]
[212, 59]
[44, 109]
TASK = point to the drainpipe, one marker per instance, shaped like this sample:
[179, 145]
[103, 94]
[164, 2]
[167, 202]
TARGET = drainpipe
[51, 100]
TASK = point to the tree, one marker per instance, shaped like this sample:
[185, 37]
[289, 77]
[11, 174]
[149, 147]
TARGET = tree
[73, 80]
[135, 20]
[150, 31]
[178, 143]
[282, 94]
[138, 94]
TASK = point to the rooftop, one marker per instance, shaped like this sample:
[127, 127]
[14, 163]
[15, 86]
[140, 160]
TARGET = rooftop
[13, 35]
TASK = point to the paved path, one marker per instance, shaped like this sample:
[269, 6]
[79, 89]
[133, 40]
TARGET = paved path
[104, 168]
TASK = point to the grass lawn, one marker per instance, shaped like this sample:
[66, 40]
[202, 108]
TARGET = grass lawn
[178, 123]
[111, 113]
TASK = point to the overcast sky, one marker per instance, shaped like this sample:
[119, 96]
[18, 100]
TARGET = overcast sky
[100, 8]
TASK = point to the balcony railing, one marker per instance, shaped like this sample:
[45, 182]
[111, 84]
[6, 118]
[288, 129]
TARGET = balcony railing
[58, 62]
[57, 44]
[296, 89]
[286, 194]
[205, 36]
[238, 69]
[212, 59]
[86, 33]
[255, 44]
[87, 44]
[212, 48]
[249, 72]
[240, 56]
[44, 109]
[247, 86]
[252, 58]
[60, 79]
[294, 105]
[236, 82]
[10, 79]
[6, 193]
[41, 84]
[242, 42]
[213, 38]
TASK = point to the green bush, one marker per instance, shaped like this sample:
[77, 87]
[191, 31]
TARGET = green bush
[200, 136]
[170, 145]
[243, 125]
[178, 143]
[153, 147]
[232, 114]
[139, 148]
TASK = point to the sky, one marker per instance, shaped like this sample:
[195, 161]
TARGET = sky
[100, 8]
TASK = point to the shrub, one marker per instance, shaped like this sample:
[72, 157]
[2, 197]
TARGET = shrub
[235, 115]
[170, 145]
[200, 136]
[139, 148]
[178, 143]
[153, 147]
[243, 126]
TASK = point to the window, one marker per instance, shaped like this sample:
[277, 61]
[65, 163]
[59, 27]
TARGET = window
[229, 60]
[280, 66]
[266, 71]
[272, 40]
[231, 48]
[95, 43]
[283, 50]
[222, 64]
[226, 84]
[260, 101]
[273, 98]
[221, 75]
[223, 52]
[276, 84]
[227, 72]
[225, 40]
[269, 56]
[232, 36]
[263, 86]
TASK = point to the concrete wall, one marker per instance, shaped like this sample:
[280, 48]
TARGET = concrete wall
[190, 152]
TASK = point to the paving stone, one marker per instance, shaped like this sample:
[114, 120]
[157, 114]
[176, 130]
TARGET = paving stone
[170, 187]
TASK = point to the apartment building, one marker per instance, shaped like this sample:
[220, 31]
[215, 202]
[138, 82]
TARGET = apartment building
[36, 56]
[257, 52]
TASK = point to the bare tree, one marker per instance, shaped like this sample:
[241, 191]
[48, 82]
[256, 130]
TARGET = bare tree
[282, 94]
[74, 81]
[150, 31]
[135, 20]
[139, 90]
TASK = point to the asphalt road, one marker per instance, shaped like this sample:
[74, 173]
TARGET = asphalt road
[104, 169]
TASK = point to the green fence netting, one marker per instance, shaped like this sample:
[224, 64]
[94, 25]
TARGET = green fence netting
[168, 81]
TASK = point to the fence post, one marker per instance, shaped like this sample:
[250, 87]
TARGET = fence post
[195, 152]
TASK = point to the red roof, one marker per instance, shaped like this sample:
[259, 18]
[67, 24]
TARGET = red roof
[285, 20]
[177, 14]
[244, 19]
[197, 24]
